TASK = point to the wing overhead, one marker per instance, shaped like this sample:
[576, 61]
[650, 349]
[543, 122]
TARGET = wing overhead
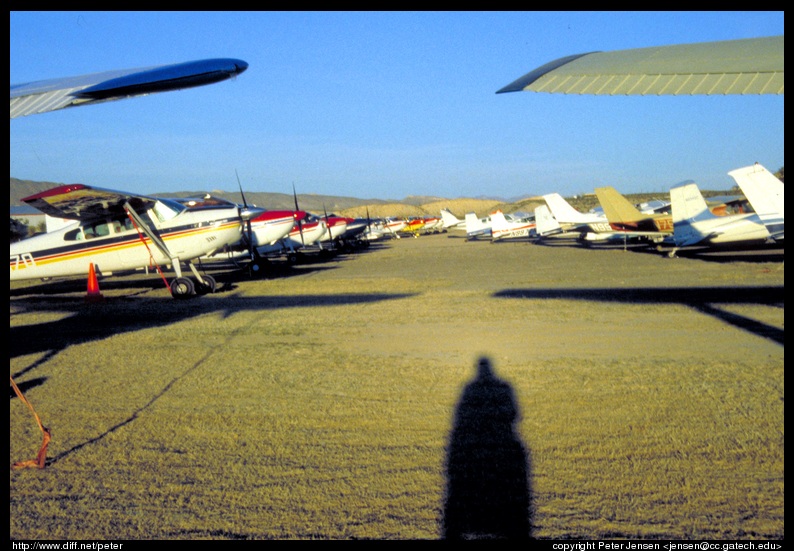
[48, 95]
[85, 203]
[748, 66]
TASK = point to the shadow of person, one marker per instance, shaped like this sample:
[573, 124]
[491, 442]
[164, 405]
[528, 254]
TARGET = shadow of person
[488, 470]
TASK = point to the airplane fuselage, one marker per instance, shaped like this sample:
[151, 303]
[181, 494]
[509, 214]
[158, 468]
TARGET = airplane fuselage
[114, 244]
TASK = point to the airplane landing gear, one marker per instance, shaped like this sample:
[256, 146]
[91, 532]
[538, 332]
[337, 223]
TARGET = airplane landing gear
[182, 287]
[208, 287]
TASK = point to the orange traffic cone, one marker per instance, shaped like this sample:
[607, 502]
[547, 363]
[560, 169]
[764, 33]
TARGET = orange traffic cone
[93, 285]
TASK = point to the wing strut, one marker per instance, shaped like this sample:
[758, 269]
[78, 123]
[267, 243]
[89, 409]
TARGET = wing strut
[159, 243]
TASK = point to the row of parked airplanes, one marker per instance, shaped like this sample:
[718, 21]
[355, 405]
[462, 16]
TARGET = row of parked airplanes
[116, 231]
[687, 220]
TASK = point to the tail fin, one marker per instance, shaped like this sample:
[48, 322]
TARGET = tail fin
[763, 190]
[688, 206]
[562, 210]
[449, 218]
[498, 221]
[616, 207]
[546, 223]
[475, 227]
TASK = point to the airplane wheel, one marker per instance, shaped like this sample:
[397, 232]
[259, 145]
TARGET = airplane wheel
[257, 268]
[182, 287]
[208, 286]
[292, 259]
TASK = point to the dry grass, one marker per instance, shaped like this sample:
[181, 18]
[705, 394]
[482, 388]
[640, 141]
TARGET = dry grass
[320, 404]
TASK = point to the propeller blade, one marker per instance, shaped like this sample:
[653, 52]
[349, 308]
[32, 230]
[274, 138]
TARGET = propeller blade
[327, 224]
[300, 223]
[245, 215]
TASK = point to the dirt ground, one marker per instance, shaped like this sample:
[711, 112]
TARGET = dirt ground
[393, 333]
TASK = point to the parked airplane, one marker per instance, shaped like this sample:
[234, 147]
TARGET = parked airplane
[264, 235]
[548, 226]
[451, 222]
[748, 66]
[571, 219]
[118, 231]
[765, 193]
[591, 227]
[393, 226]
[694, 224]
[625, 217]
[49, 95]
[477, 227]
[413, 226]
[335, 226]
[503, 227]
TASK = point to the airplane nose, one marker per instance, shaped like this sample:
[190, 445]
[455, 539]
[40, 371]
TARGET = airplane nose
[250, 213]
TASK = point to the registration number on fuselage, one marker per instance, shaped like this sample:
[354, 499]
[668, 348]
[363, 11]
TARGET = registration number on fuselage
[24, 260]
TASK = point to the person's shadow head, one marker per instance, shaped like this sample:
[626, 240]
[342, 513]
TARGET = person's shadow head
[488, 467]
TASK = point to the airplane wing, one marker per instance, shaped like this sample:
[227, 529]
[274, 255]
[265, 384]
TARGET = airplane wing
[85, 203]
[748, 66]
[49, 95]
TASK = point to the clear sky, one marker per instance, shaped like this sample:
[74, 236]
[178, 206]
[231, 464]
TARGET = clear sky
[382, 105]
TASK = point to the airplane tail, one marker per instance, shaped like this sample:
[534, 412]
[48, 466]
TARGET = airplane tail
[449, 219]
[688, 206]
[475, 227]
[763, 190]
[617, 208]
[546, 223]
[562, 210]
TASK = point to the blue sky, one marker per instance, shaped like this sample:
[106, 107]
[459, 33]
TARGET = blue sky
[382, 105]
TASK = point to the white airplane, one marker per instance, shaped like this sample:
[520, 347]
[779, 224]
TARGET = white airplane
[335, 227]
[59, 93]
[572, 220]
[764, 191]
[68, 251]
[267, 235]
[748, 66]
[695, 225]
[49, 95]
[393, 226]
[118, 231]
[304, 235]
[589, 227]
[548, 226]
[503, 227]
[451, 222]
[477, 227]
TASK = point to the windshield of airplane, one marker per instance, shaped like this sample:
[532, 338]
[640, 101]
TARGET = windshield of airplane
[166, 209]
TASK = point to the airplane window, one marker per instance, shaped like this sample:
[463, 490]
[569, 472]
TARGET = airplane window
[74, 235]
[165, 209]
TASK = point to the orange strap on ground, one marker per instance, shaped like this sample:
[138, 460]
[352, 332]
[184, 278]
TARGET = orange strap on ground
[41, 457]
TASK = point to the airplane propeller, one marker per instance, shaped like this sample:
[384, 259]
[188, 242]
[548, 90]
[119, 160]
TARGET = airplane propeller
[300, 222]
[246, 213]
[328, 225]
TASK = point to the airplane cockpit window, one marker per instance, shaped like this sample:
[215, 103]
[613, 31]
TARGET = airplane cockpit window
[166, 209]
